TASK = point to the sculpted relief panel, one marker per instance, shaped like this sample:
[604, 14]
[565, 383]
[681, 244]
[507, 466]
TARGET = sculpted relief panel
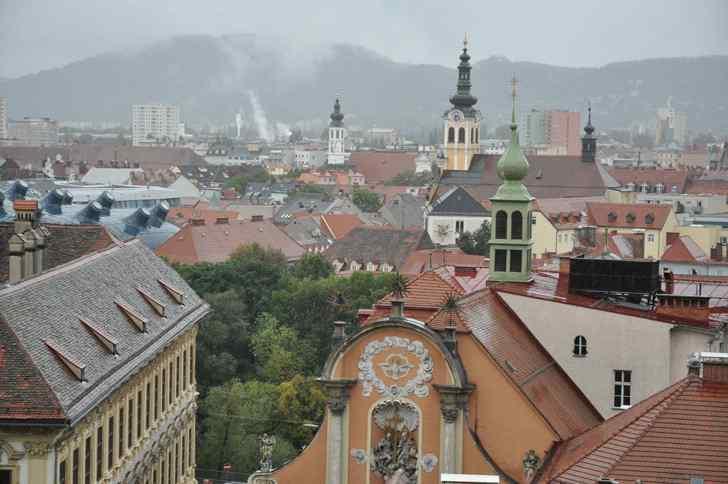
[408, 368]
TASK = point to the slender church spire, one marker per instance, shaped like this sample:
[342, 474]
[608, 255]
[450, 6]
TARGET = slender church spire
[588, 141]
[513, 165]
[463, 99]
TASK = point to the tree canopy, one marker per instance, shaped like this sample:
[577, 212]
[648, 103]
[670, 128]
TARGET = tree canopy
[366, 200]
[476, 242]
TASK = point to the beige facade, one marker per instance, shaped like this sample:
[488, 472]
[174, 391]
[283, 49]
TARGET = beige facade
[461, 139]
[144, 432]
[550, 239]
[654, 351]
[445, 229]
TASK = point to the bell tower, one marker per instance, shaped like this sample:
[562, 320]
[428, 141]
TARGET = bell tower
[511, 234]
[462, 120]
[337, 137]
[588, 141]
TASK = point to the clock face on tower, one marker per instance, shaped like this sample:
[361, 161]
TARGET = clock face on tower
[456, 115]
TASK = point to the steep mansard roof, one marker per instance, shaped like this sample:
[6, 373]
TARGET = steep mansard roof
[43, 340]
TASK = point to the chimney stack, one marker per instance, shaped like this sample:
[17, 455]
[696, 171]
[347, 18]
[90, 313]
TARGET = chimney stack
[339, 334]
[710, 366]
[27, 246]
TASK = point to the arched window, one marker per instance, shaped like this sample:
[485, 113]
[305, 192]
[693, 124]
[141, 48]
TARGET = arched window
[580, 346]
[501, 225]
[472, 135]
[516, 225]
[451, 135]
[477, 135]
[461, 135]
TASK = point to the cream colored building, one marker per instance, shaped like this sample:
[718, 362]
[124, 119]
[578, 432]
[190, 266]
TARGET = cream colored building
[97, 369]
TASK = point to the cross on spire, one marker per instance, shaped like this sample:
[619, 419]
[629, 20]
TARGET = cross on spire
[465, 41]
[514, 84]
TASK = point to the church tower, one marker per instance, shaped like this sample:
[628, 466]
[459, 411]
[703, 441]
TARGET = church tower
[588, 141]
[462, 121]
[337, 137]
[511, 234]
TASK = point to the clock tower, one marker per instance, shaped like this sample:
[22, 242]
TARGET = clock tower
[462, 121]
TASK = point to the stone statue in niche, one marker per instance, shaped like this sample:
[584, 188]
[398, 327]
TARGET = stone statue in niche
[267, 442]
[395, 456]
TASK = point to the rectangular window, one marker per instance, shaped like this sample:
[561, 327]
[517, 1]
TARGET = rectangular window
[516, 262]
[147, 402]
[154, 477]
[622, 388]
[130, 426]
[164, 389]
[176, 461]
[650, 237]
[139, 415]
[87, 461]
[74, 468]
[170, 469]
[169, 383]
[6, 476]
[163, 469]
[120, 448]
[176, 380]
[99, 452]
[192, 364]
[501, 256]
[110, 448]
[184, 456]
[459, 226]
[184, 368]
[156, 397]
[62, 472]
[189, 446]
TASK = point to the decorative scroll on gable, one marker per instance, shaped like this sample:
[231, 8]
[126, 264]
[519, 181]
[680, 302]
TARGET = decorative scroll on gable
[397, 366]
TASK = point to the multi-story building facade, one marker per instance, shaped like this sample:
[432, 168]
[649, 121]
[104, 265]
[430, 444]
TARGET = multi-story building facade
[98, 380]
[337, 154]
[672, 126]
[552, 132]
[33, 132]
[154, 123]
[3, 120]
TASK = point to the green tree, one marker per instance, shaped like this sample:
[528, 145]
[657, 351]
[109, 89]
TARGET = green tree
[312, 266]
[366, 200]
[476, 242]
[278, 351]
[410, 178]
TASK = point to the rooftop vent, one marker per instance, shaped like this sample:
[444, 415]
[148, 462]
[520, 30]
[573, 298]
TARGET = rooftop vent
[159, 214]
[137, 221]
[158, 307]
[17, 190]
[175, 293]
[106, 200]
[67, 197]
[133, 316]
[91, 213]
[78, 369]
[52, 202]
[101, 336]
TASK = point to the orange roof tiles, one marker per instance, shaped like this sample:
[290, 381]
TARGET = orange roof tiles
[652, 176]
[426, 291]
[674, 435]
[684, 249]
[216, 243]
[182, 215]
[628, 215]
[427, 259]
[380, 166]
[340, 224]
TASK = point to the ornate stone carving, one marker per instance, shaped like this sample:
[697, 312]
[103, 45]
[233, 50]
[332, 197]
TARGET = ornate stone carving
[337, 394]
[397, 367]
[265, 461]
[531, 463]
[36, 449]
[359, 455]
[452, 400]
[9, 450]
[428, 462]
[396, 414]
[395, 456]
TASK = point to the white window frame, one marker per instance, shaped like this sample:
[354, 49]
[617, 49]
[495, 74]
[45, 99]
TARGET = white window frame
[622, 381]
[459, 226]
[580, 349]
[650, 237]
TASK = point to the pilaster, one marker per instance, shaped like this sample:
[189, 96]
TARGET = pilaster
[453, 401]
[337, 398]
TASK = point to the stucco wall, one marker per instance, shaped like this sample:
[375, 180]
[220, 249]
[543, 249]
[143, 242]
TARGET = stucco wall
[683, 343]
[615, 342]
[471, 224]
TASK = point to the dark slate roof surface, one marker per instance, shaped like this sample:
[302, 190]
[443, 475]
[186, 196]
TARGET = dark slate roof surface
[49, 306]
[457, 201]
[379, 244]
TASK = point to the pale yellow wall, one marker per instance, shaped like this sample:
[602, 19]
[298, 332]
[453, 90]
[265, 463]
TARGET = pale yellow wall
[706, 236]
[42, 463]
[544, 235]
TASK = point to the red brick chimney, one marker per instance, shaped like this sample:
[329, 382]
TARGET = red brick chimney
[671, 237]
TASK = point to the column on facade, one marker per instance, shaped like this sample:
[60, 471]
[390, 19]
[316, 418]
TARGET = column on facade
[337, 397]
[453, 401]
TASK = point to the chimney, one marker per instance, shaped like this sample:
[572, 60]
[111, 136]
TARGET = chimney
[672, 237]
[16, 248]
[28, 260]
[669, 279]
[397, 308]
[714, 366]
[339, 334]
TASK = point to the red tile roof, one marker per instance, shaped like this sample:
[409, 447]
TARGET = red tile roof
[426, 291]
[652, 176]
[509, 342]
[339, 225]
[684, 249]
[182, 215]
[702, 187]
[380, 166]
[672, 436]
[216, 243]
[617, 215]
[424, 260]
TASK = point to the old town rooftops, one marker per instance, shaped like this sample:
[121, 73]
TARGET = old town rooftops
[632, 215]
[61, 329]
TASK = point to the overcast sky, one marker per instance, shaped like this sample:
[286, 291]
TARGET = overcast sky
[41, 34]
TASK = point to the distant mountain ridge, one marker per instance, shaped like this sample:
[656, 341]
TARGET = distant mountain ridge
[212, 77]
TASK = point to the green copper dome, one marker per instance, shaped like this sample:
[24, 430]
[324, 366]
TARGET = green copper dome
[513, 165]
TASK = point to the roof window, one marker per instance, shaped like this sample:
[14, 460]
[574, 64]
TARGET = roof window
[101, 336]
[175, 293]
[133, 316]
[158, 307]
[78, 369]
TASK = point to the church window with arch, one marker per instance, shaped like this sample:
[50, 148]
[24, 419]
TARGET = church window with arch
[501, 225]
[516, 225]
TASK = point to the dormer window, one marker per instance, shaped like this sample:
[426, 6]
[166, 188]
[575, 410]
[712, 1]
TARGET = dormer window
[649, 219]
[631, 218]
[580, 348]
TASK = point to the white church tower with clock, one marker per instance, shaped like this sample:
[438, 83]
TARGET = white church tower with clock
[462, 121]
[337, 137]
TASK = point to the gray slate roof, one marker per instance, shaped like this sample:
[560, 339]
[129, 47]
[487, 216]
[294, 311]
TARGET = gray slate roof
[457, 201]
[404, 211]
[49, 306]
[378, 245]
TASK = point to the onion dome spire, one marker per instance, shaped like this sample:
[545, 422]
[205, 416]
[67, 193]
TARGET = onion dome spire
[513, 165]
[589, 129]
[463, 99]
[337, 117]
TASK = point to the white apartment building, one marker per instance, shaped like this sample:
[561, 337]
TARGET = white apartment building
[33, 132]
[3, 119]
[154, 123]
